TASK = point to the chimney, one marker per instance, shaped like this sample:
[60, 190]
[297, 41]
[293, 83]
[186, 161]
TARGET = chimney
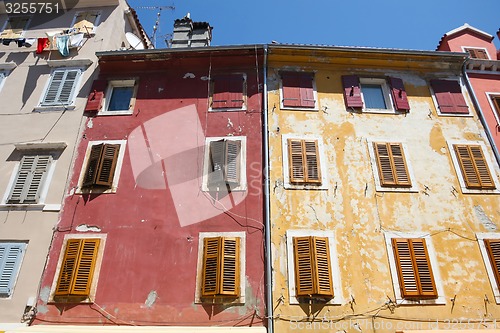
[191, 34]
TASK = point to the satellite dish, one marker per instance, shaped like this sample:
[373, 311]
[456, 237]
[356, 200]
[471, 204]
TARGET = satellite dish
[134, 41]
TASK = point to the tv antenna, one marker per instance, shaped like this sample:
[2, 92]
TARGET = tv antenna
[157, 23]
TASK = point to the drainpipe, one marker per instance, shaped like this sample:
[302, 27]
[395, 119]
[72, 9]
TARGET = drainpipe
[480, 113]
[267, 198]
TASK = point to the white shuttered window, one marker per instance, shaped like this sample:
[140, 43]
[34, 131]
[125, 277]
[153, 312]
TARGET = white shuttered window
[62, 87]
[10, 261]
[29, 179]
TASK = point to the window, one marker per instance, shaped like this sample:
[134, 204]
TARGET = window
[302, 166]
[477, 53]
[86, 22]
[29, 179]
[221, 268]
[449, 97]
[11, 255]
[119, 97]
[228, 92]
[495, 106]
[101, 168]
[14, 27]
[414, 269]
[313, 270]
[224, 166]
[298, 91]
[375, 94]
[78, 268]
[473, 167]
[62, 86]
[489, 245]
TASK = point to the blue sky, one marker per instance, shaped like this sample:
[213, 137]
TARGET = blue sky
[404, 24]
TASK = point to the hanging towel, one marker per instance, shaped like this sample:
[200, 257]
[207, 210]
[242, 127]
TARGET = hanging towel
[42, 44]
[29, 42]
[62, 43]
[76, 40]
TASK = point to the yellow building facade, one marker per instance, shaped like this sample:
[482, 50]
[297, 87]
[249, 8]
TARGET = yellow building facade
[384, 193]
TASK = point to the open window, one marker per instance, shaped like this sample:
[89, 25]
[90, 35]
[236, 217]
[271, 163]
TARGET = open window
[228, 92]
[298, 91]
[15, 27]
[86, 22]
[114, 97]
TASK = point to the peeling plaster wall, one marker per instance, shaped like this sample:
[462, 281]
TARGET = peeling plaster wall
[358, 214]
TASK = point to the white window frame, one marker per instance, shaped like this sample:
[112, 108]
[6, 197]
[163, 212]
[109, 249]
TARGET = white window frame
[462, 88]
[97, 267]
[299, 108]
[490, 96]
[441, 299]
[491, 167]
[199, 267]
[243, 161]
[338, 298]
[118, 167]
[108, 94]
[25, 27]
[481, 236]
[44, 187]
[18, 268]
[373, 160]
[286, 167]
[464, 49]
[71, 104]
[386, 92]
[245, 98]
[96, 23]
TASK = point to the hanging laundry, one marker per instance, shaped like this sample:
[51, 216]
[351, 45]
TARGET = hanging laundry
[42, 44]
[29, 42]
[20, 42]
[76, 40]
[62, 43]
[7, 41]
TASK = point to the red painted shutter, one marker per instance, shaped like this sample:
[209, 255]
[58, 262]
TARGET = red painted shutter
[96, 96]
[227, 92]
[352, 91]
[298, 90]
[449, 97]
[399, 94]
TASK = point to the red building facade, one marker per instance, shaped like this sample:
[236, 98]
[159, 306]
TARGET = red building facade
[162, 224]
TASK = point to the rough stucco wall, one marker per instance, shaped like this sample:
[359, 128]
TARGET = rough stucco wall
[359, 215]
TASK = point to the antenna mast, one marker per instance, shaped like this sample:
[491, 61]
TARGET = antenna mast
[157, 23]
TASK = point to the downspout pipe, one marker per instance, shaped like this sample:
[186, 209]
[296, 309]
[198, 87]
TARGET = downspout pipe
[267, 198]
[480, 112]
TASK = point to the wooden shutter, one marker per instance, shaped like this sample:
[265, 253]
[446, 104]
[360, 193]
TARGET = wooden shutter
[96, 96]
[15, 27]
[61, 87]
[228, 92]
[496, 102]
[77, 269]
[391, 165]
[29, 179]
[298, 89]
[477, 53]
[101, 165]
[221, 270]
[225, 162]
[304, 163]
[493, 249]
[449, 97]
[10, 259]
[474, 167]
[232, 162]
[352, 91]
[399, 94]
[414, 268]
[312, 266]
[217, 160]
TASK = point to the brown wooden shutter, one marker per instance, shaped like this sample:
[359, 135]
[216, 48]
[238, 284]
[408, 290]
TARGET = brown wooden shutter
[352, 91]
[298, 90]
[493, 249]
[392, 166]
[96, 96]
[477, 53]
[78, 267]
[227, 92]
[101, 165]
[399, 94]
[221, 267]
[414, 268]
[496, 102]
[449, 97]
[474, 167]
[304, 163]
[232, 162]
[312, 267]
